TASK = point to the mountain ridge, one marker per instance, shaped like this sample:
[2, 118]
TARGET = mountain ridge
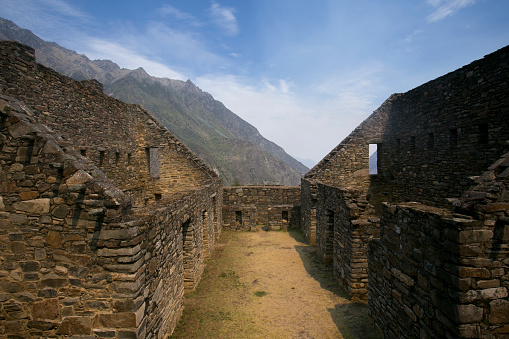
[230, 145]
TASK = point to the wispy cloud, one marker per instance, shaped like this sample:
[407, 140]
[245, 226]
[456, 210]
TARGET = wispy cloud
[50, 18]
[445, 8]
[168, 10]
[411, 37]
[327, 112]
[64, 8]
[127, 58]
[225, 18]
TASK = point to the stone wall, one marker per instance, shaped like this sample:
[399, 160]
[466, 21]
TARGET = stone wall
[245, 207]
[433, 274]
[445, 131]
[346, 166]
[345, 225]
[75, 259]
[83, 254]
[121, 139]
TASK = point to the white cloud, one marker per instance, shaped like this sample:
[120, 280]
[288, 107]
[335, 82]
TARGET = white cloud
[63, 8]
[445, 8]
[127, 58]
[411, 37]
[168, 10]
[224, 18]
[307, 126]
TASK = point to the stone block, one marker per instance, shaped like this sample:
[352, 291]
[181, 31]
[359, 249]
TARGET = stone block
[61, 211]
[75, 326]
[46, 310]
[41, 325]
[499, 312]
[465, 314]
[11, 287]
[80, 177]
[35, 206]
[29, 195]
[116, 320]
[54, 239]
[53, 280]
[29, 266]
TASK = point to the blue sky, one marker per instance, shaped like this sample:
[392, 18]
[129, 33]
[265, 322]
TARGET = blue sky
[305, 73]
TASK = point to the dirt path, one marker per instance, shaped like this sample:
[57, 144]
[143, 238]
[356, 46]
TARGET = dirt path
[269, 285]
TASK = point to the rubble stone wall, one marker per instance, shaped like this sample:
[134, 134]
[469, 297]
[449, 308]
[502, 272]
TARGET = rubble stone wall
[82, 255]
[445, 131]
[433, 274]
[121, 139]
[346, 166]
[245, 207]
[345, 226]
[75, 259]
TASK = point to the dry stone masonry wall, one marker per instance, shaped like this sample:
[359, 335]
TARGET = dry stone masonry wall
[122, 139]
[345, 226]
[83, 254]
[245, 207]
[439, 267]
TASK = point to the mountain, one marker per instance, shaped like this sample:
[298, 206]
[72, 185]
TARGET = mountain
[228, 144]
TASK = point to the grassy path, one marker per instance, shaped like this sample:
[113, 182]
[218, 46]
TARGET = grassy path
[269, 285]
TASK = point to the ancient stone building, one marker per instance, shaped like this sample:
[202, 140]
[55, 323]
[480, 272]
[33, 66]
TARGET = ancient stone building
[439, 264]
[105, 217]
[276, 207]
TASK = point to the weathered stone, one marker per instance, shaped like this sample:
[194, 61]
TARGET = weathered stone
[79, 178]
[54, 239]
[41, 325]
[75, 326]
[61, 211]
[29, 195]
[47, 309]
[18, 247]
[11, 287]
[468, 314]
[35, 206]
[53, 280]
[47, 293]
[25, 297]
[499, 311]
[116, 320]
[29, 266]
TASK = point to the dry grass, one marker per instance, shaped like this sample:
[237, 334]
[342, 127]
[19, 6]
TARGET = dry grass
[269, 285]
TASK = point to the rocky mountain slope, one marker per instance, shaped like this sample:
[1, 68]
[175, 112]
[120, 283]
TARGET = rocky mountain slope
[230, 145]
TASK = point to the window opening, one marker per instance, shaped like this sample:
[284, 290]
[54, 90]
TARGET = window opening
[128, 159]
[284, 215]
[204, 218]
[238, 217]
[329, 237]
[412, 142]
[483, 134]
[431, 140]
[158, 196]
[83, 152]
[373, 158]
[117, 158]
[153, 161]
[453, 137]
[101, 158]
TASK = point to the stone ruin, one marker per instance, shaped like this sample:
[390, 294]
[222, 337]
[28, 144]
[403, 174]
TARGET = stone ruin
[425, 240]
[106, 218]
